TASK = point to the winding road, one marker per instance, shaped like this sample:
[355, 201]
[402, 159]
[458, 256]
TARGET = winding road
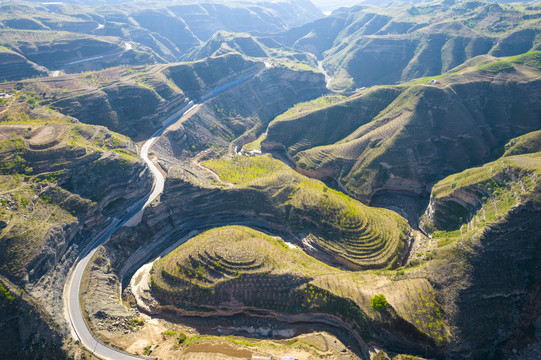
[72, 304]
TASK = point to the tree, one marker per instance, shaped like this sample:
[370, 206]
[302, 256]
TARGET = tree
[379, 302]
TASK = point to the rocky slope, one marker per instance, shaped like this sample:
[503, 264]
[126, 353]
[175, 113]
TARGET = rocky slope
[240, 114]
[486, 224]
[27, 332]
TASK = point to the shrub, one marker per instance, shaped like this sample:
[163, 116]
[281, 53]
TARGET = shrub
[379, 302]
[181, 337]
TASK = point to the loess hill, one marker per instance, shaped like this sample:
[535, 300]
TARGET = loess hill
[365, 46]
[234, 264]
[355, 235]
[236, 268]
[399, 139]
[485, 226]
[57, 180]
[57, 36]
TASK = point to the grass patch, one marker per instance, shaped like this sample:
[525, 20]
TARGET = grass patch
[309, 106]
[241, 169]
[365, 236]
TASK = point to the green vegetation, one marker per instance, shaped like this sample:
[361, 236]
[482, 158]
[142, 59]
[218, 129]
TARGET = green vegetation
[255, 145]
[493, 188]
[304, 108]
[53, 170]
[382, 130]
[497, 66]
[526, 144]
[5, 294]
[532, 59]
[379, 302]
[262, 272]
[363, 236]
[147, 350]
[255, 269]
[241, 169]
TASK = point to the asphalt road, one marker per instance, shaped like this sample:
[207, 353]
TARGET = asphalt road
[127, 47]
[72, 289]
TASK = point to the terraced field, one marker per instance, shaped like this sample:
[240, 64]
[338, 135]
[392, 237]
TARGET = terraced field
[358, 236]
[237, 268]
[54, 173]
[464, 203]
[376, 139]
[232, 266]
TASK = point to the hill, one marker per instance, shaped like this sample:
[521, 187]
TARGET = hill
[236, 268]
[57, 184]
[15, 67]
[224, 259]
[381, 146]
[363, 46]
[60, 36]
[484, 223]
[343, 229]
[135, 100]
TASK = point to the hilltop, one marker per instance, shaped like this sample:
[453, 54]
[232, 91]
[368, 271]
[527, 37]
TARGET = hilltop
[345, 230]
[381, 144]
[236, 269]
[363, 46]
[62, 36]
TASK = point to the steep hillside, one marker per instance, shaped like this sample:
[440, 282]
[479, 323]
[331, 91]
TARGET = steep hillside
[239, 114]
[54, 50]
[135, 100]
[59, 36]
[345, 230]
[15, 67]
[223, 42]
[199, 77]
[57, 183]
[485, 228]
[401, 139]
[26, 329]
[224, 259]
[364, 46]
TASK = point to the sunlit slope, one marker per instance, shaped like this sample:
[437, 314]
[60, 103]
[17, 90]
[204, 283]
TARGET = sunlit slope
[465, 202]
[358, 235]
[225, 261]
[236, 268]
[365, 46]
[415, 133]
[57, 176]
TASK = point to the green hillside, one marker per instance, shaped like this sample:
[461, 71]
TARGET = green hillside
[388, 149]
[364, 46]
[224, 259]
[56, 173]
[356, 235]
